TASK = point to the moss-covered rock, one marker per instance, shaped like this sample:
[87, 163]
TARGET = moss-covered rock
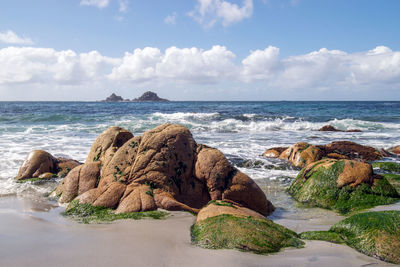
[375, 234]
[342, 185]
[394, 180]
[257, 235]
[86, 213]
[387, 166]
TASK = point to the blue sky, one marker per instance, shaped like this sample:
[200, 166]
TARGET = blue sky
[200, 49]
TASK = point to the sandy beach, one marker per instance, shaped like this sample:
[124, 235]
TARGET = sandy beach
[33, 233]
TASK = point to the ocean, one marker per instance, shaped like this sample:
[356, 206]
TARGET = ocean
[241, 130]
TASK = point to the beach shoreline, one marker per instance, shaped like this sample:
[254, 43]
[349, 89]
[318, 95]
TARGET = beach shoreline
[34, 233]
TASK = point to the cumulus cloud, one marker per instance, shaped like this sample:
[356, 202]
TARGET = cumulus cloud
[209, 12]
[318, 70]
[9, 37]
[46, 65]
[186, 64]
[170, 19]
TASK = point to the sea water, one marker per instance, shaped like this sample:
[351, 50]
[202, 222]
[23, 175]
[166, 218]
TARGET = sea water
[241, 130]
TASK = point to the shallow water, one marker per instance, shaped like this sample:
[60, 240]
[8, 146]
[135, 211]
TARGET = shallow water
[241, 130]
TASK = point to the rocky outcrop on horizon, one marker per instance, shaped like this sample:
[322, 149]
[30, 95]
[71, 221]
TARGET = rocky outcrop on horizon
[146, 97]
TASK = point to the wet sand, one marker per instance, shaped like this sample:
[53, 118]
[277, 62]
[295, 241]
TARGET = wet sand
[33, 233]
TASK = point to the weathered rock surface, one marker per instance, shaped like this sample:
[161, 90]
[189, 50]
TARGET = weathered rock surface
[41, 164]
[107, 143]
[164, 168]
[216, 208]
[274, 152]
[302, 154]
[342, 185]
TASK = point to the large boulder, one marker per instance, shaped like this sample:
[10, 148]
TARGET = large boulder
[164, 168]
[342, 185]
[223, 225]
[107, 143]
[41, 164]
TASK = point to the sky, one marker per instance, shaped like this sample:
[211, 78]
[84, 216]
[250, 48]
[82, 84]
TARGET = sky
[83, 50]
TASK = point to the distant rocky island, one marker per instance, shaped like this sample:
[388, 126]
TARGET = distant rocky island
[146, 97]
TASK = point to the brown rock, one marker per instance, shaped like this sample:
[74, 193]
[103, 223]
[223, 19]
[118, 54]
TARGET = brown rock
[78, 181]
[396, 150]
[355, 173]
[107, 143]
[244, 191]
[137, 197]
[329, 128]
[64, 166]
[46, 175]
[36, 163]
[110, 197]
[354, 131]
[219, 207]
[213, 168]
[301, 154]
[336, 156]
[274, 152]
[352, 150]
[164, 168]
[119, 167]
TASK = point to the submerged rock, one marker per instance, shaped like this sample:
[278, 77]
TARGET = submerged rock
[222, 225]
[376, 234]
[342, 185]
[164, 168]
[41, 164]
[330, 128]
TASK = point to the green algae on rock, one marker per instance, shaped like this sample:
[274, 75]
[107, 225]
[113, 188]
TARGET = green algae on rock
[86, 213]
[342, 185]
[257, 235]
[394, 180]
[387, 166]
[375, 234]
[322, 235]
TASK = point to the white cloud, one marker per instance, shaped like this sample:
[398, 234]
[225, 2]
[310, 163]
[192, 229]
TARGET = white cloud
[261, 64]
[123, 4]
[181, 65]
[209, 12]
[170, 19]
[95, 3]
[376, 69]
[9, 37]
[46, 65]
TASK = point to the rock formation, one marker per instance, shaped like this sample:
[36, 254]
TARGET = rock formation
[343, 185]
[114, 98]
[150, 97]
[163, 168]
[41, 164]
[301, 154]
